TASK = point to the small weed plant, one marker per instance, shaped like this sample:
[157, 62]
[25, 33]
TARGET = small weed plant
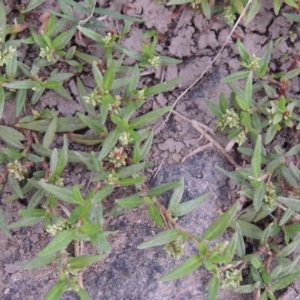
[258, 111]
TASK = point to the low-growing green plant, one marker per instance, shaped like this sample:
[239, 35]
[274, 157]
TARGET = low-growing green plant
[256, 114]
[233, 7]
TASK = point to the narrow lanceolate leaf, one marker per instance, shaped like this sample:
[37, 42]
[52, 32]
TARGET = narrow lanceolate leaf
[291, 203]
[95, 125]
[128, 171]
[161, 239]
[97, 76]
[259, 194]
[248, 230]
[2, 22]
[248, 89]
[82, 261]
[20, 100]
[56, 291]
[131, 202]
[2, 98]
[83, 294]
[205, 8]
[50, 133]
[253, 10]
[288, 249]
[64, 124]
[256, 158]
[23, 84]
[92, 34]
[149, 117]
[162, 87]
[145, 148]
[63, 39]
[188, 206]
[37, 262]
[235, 76]
[62, 193]
[109, 143]
[15, 186]
[3, 225]
[213, 288]
[11, 136]
[295, 171]
[83, 92]
[32, 5]
[155, 215]
[61, 240]
[287, 174]
[23, 222]
[190, 265]
[158, 190]
[240, 247]
[282, 283]
[221, 223]
[176, 196]
[266, 235]
[230, 248]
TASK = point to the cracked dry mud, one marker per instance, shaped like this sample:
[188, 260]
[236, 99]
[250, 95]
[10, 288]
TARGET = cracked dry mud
[129, 273]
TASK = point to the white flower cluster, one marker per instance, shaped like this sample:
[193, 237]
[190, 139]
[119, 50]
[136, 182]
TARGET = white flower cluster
[6, 55]
[59, 226]
[117, 157]
[47, 53]
[230, 119]
[93, 98]
[125, 138]
[115, 107]
[154, 61]
[107, 39]
[16, 170]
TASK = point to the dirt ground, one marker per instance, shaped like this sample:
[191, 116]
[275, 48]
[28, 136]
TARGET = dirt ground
[195, 40]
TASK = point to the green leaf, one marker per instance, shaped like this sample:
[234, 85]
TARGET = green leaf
[23, 84]
[270, 134]
[95, 125]
[82, 92]
[149, 117]
[131, 181]
[32, 5]
[186, 207]
[160, 239]
[231, 248]
[286, 173]
[265, 59]
[109, 142]
[162, 87]
[266, 234]
[109, 76]
[217, 227]
[15, 186]
[62, 158]
[11, 136]
[291, 203]
[240, 248]
[256, 158]
[104, 11]
[293, 151]
[61, 240]
[241, 103]
[244, 54]
[97, 76]
[291, 74]
[62, 193]
[259, 194]
[64, 124]
[83, 294]
[155, 215]
[253, 10]
[282, 283]
[2, 98]
[92, 34]
[178, 2]
[32, 213]
[235, 76]
[248, 89]
[295, 171]
[3, 225]
[50, 133]
[291, 3]
[82, 261]
[103, 193]
[56, 291]
[214, 108]
[277, 5]
[248, 230]
[158, 190]
[205, 8]
[37, 262]
[176, 196]
[20, 100]
[213, 288]
[131, 202]
[292, 17]
[287, 250]
[63, 39]
[187, 267]
[130, 170]
[2, 22]
[23, 222]
[145, 148]
[223, 103]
